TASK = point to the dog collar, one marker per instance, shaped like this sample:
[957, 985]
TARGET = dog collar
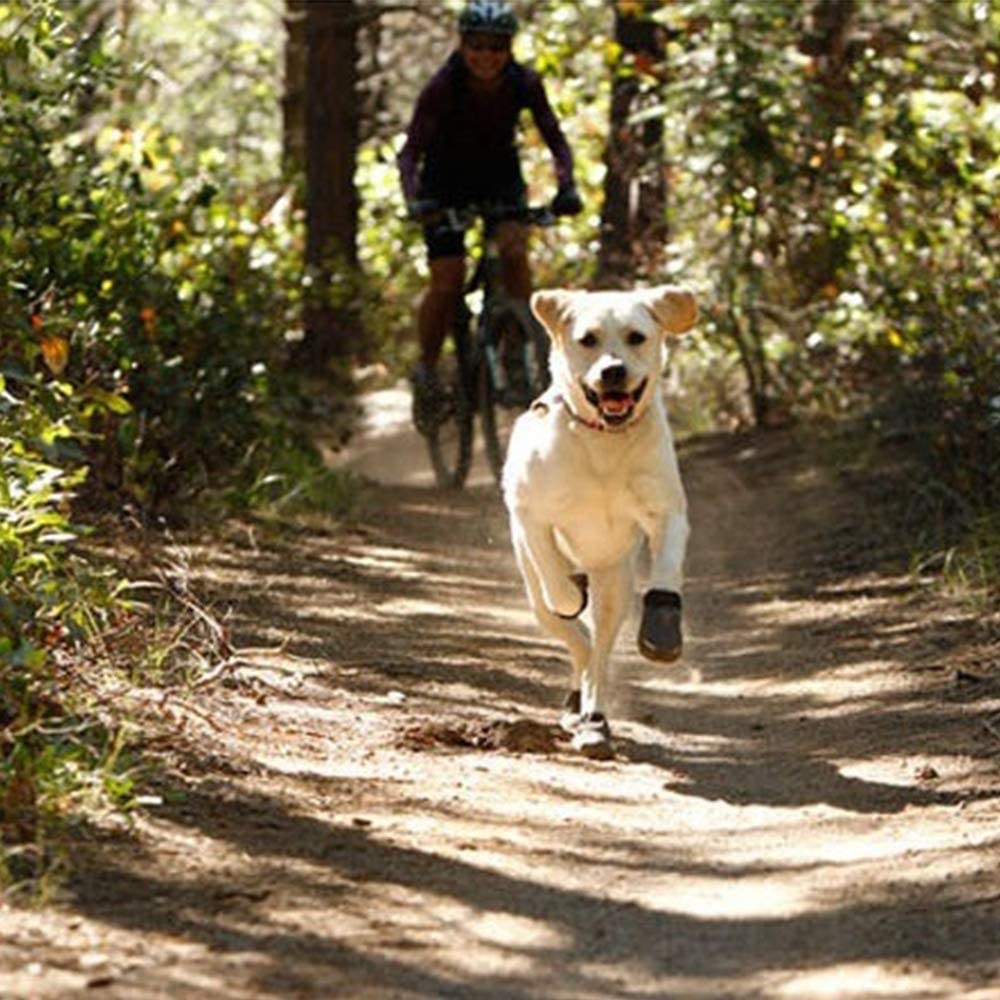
[542, 403]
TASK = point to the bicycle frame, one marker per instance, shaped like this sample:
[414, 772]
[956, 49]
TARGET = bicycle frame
[487, 276]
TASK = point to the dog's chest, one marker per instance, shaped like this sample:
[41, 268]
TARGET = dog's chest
[596, 521]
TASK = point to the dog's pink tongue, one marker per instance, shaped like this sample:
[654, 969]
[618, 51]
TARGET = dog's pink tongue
[618, 402]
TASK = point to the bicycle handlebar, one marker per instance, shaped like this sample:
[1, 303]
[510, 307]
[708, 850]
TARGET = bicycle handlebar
[460, 219]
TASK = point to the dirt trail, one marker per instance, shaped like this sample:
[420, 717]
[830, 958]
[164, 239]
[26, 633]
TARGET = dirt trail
[808, 807]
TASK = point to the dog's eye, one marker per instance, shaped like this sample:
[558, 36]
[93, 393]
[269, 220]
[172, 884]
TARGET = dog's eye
[635, 338]
[588, 340]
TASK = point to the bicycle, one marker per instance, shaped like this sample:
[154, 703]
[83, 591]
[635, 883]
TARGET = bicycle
[499, 358]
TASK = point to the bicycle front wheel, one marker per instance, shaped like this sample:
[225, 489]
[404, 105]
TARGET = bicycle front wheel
[449, 441]
[506, 387]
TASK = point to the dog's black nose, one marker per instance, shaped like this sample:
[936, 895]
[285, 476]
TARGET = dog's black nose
[613, 376]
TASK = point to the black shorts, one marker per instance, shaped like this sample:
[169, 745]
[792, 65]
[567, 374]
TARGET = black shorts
[443, 242]
[505, 187]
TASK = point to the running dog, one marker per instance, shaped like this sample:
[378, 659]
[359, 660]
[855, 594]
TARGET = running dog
[593, 490]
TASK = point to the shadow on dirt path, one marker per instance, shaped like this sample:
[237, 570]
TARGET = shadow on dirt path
[807, 808]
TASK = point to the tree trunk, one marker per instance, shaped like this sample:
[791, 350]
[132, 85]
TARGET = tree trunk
[332, 324]
[834, 104]
[293, 102]
[633, 220]
[826, 37]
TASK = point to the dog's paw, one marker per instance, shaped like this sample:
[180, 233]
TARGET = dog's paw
[660, 630]
[571, 717]
[572, 599]
[592, 737]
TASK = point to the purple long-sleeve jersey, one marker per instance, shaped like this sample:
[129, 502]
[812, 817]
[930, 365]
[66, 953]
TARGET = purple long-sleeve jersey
[460, 144]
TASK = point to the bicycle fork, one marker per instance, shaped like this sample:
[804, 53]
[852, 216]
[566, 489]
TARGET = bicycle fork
[493, 350]
[497, 370]
[534, 345]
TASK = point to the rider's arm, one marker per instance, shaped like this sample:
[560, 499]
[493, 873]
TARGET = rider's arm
[426, 120]
[548, 125]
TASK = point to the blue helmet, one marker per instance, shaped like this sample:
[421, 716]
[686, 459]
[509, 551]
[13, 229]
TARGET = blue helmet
[491, 17]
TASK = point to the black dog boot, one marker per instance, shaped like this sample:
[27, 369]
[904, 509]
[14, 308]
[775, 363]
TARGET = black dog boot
[660, 631]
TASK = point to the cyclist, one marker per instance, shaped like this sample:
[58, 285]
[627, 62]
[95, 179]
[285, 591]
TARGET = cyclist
[460, 149]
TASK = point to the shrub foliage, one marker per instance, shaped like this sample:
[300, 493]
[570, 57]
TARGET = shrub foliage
[146, 300]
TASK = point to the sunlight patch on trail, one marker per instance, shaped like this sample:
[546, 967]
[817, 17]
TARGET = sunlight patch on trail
[405, 607]
[870, 980]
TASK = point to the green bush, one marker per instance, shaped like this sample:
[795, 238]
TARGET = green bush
[837, 196]
[140, 276]
[146, 305]
[52, 603]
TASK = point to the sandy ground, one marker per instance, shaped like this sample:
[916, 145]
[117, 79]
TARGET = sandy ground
[807, 807]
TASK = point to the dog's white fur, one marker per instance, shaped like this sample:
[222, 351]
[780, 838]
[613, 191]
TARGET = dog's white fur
[591, 481]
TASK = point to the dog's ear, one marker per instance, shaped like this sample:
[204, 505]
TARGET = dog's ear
[674, 308]
[553, 307]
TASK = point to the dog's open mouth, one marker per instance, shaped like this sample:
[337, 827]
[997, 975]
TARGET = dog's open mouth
[614, 406]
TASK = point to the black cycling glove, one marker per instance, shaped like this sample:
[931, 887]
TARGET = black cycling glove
[567, 201]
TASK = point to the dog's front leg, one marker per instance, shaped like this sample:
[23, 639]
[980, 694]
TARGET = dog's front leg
[573, 633]
[563, 591]
[667, 536]
[660, 630]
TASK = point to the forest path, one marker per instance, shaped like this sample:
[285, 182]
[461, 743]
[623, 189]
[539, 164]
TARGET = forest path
[808, 807]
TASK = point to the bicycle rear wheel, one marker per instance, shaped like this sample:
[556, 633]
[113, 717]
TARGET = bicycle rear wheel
[516, 359]
[450, 441]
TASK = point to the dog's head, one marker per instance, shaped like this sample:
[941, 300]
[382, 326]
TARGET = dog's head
[608, 347]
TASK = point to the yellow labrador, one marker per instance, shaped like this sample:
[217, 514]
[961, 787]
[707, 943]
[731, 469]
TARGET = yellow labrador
[593, 489]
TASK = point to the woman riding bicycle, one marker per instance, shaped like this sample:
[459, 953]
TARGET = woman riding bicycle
[460, 149]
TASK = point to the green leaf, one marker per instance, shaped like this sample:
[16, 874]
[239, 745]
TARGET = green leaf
[110, 401]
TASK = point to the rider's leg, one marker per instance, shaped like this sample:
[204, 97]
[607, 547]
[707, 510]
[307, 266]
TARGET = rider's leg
[512, 241]
[434, 319]
[438, 306]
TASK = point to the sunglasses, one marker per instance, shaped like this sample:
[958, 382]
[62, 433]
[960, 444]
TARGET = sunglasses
[483, 43]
